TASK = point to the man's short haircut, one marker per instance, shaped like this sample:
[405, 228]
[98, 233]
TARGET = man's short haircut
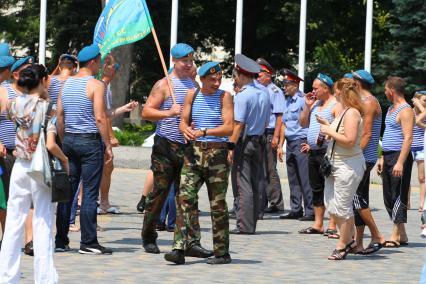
[67, 63]
[396, 83]
[85, 63]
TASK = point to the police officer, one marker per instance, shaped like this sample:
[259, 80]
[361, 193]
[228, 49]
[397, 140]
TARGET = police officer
[251, 114]
[296, 161]
[273, 189]
[207, 121]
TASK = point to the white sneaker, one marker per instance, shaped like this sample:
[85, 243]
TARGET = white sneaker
[423, 233]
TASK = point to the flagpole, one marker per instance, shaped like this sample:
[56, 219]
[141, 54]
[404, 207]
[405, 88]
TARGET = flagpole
[157, 44]
[42, 37]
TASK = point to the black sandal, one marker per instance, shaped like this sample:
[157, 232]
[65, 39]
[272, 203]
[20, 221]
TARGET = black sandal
[340, 254]
[310, 231]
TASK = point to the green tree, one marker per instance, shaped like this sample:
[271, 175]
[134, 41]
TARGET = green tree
[404, 53]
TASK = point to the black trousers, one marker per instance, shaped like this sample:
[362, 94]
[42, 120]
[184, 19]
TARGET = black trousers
[395, 189]
[361, 198]
[316, 180]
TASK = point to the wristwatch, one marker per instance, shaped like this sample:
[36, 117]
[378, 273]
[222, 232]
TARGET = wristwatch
[204, 130]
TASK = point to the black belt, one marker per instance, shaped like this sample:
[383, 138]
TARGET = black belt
[93, 136]
[269, 131]
[389, 152]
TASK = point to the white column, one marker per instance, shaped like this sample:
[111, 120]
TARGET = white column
[174, 26]
[302, 42]
[239, 27]
[368, 35]
[42, 36]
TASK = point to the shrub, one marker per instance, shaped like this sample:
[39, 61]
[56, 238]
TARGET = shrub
[134, 134]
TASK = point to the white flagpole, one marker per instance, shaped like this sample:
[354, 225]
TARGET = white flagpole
[368, 36]
[302, 42]
[174, 26]
[239, 27]
[42, 37]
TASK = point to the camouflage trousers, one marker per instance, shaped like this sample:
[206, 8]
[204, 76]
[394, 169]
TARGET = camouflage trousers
[208, 166]
[166, 164]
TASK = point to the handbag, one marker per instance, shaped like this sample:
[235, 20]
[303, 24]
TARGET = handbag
[60, 181]
[40, 158]
[326, 166]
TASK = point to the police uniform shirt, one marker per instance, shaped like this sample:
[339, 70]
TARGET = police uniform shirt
[251, 107]
[293, 107]
[277, 101]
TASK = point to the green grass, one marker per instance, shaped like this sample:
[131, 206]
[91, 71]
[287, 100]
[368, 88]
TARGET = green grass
[133, 134]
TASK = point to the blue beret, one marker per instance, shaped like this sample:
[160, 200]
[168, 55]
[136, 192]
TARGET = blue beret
[246, 65]
[4, 49]
[6, 61]
[325, 79]
[348, 75]
[88, 53]
[364, 76]
[209, 68]
[181, 50]
[421, 92]
[22, 61]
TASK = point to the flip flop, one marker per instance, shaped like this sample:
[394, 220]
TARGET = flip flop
[113, 210]
[334, 236]
[390, 244]
[330, 232]
[310, 231]
[372, 248]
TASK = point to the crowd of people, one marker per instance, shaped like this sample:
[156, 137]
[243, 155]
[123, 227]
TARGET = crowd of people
[204, 135]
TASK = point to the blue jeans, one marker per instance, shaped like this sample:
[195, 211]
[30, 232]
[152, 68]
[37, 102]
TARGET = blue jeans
[169, 209]
[85, 154]
[74, 205]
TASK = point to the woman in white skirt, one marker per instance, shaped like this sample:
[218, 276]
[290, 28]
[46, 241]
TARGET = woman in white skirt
[347, 161]
[27, 111]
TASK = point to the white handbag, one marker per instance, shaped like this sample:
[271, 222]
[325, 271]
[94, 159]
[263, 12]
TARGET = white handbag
[40, 159]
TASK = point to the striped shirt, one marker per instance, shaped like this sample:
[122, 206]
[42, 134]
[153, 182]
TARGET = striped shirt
[7, 127]
[169, 127]
[78, 108]
[370, 152]
[54, 89]
[392, 137]
[207, 113]
[314, 126]
[418, 136]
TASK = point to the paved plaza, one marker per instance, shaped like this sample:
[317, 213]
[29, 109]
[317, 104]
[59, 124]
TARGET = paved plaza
[276, 254]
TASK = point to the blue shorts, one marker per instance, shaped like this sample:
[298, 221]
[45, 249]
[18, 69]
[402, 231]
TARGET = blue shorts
[418, 155]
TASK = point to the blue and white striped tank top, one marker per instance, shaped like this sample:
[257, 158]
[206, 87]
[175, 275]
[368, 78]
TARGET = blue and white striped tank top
[169, 127]
[418, 137]
[54, 89]
[7, 127]
[370, 152]
[78, 109]
[392, 137]
[314, 126]
[207, 113]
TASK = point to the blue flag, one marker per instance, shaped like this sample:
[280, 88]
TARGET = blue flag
[122, 22]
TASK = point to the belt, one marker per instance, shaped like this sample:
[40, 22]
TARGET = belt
[84, 135]
[210, 145]
[269, 130]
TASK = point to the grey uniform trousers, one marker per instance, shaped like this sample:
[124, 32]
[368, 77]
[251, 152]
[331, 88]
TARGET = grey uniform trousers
[273, 188]
[298, 178]
[247, 177]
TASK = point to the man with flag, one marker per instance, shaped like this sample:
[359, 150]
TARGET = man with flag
[169, 144]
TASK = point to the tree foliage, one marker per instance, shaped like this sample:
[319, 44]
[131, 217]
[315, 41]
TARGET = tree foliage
[335, 35]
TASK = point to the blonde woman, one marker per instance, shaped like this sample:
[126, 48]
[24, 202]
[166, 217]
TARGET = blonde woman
[348, 164]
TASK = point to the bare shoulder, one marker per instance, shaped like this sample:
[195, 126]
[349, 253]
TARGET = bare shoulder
[95, 83]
